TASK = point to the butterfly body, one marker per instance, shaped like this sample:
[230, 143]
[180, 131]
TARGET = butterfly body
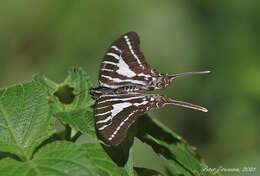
[97, 91]
[123, 75]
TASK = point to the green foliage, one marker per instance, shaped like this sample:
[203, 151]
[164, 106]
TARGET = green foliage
[64, 158]
[27, 131]
[25, 118]
[145, 171]
[78, 113]
[180, 156]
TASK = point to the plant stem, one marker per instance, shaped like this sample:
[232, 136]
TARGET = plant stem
[67, 133]
[76, 136]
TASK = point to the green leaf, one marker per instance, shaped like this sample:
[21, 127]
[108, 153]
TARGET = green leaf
[122, 154]
[106, 166]
[129, 166]
[81, 119]
[180, 156]
[145, 172]
[78, 81]
[64, 158]
[78, 113]
[25, 117]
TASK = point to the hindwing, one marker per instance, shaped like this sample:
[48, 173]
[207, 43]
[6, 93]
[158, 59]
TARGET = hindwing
[115, 113]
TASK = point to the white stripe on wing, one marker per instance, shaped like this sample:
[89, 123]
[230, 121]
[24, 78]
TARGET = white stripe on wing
[132, 51]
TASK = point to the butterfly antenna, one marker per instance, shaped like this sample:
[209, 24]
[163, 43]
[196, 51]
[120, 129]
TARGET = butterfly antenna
[186, 105]
[187, 74]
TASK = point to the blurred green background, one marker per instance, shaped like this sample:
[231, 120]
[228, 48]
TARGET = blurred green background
[51, 36]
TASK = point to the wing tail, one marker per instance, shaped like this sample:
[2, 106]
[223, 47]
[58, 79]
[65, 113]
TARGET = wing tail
[171, 77]
[186, 105]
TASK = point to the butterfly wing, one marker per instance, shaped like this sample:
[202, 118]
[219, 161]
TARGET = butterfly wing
[115, 113]
[125, 65]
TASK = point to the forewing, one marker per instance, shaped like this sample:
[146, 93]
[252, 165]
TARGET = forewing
[125, 65]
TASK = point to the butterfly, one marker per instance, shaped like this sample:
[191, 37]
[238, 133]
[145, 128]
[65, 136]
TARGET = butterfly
[123, 75]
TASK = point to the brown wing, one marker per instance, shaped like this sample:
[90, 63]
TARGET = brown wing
[124, 65]
[114, 114]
